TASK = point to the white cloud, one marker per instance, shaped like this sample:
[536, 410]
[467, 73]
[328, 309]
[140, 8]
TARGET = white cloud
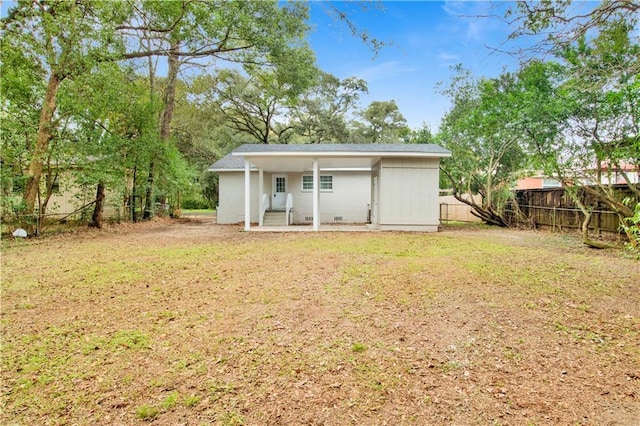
[384, 70]
[447, 59]
[479, 21]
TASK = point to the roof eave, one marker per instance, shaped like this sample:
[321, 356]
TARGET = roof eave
[359, 154]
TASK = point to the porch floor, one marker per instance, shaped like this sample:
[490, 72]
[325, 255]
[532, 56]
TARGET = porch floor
[309, 228]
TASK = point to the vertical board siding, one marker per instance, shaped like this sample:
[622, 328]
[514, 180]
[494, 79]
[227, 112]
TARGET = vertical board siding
[409, 192]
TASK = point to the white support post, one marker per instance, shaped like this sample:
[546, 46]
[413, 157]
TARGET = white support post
[260, 197]
[247, 195]
[316, 195]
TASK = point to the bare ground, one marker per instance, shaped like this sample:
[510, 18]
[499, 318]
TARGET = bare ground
[188, 322]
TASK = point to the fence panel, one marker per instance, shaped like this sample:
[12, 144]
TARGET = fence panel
[554, 208]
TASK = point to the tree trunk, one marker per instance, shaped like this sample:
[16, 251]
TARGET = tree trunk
[486, 214]
[45, 134]
[51, 178]
[585, 226]
[134, 195]
[170, 92]
[165, 122]
[148, 197]
[96, 219]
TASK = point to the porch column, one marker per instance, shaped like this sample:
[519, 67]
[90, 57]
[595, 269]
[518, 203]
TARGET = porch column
[316, 195]
[260, 197]
[247, 195]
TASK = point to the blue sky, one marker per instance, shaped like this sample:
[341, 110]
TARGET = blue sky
[426, 38]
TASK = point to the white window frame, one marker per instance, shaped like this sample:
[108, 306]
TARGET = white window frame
[330, 181]
[310, 183]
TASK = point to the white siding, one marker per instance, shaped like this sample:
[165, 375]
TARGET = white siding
[348, 202]
[349, 199]
[231, 197]
[409, 192]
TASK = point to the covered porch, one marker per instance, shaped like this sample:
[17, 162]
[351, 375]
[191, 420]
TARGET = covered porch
[310, 177]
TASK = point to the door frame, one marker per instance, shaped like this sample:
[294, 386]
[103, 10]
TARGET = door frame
[282, 204]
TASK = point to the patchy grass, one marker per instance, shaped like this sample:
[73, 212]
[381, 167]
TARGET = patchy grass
[188, 322]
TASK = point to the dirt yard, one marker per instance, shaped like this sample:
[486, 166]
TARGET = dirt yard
[187, 322]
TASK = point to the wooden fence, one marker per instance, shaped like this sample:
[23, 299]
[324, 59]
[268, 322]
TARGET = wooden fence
[452, 210]
[553, 208]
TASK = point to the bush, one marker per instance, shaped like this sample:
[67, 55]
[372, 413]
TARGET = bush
[194, 204]
[631, 226]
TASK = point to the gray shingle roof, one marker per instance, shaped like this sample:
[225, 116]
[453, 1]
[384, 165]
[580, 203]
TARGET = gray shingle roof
[228, 162]
[236, 162]
[346, 147]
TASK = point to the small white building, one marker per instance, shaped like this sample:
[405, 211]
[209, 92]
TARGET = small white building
[390, 186]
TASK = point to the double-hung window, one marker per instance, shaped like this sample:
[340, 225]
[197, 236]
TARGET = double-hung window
[326, 183]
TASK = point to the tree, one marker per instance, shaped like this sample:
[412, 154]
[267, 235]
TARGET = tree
[64, 39]
[202, 136]
[256, 104]
[114, 133]
[565, 22]
[381, 122]
[22, 87]
[422, 135]
[592, 108]
[67, 39]
[484, 142]
[321, 114]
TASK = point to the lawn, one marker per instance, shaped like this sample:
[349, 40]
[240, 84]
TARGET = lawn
[188, 322]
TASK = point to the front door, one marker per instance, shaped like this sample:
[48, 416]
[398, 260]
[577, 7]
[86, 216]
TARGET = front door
[279, 192]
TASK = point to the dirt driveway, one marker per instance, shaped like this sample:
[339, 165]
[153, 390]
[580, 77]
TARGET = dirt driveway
[188, 322]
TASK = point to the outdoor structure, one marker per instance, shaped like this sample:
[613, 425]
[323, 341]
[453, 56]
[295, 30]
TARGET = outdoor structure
[389, 186]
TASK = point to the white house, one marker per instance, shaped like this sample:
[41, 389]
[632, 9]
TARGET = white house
[390, 186]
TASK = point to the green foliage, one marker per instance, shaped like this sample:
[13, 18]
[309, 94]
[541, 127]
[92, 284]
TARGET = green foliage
[631, 226]
[580, 117]
[147, 412]
[483, 137]
[381, 122]
[563, 22]
[358, 347]
[253, 104]
[321, 113]
[170, 401]
[102, 119]
[422, 135]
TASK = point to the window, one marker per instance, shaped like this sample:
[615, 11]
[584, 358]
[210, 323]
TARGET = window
[307, 183]
[550, 183]
[326, 183]
[55, 185]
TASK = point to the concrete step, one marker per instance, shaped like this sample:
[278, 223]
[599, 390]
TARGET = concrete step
[274, 218]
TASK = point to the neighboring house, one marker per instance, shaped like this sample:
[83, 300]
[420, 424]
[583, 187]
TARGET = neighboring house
[67, 198]
[537, 182]
[588, 177]
[390, 186]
